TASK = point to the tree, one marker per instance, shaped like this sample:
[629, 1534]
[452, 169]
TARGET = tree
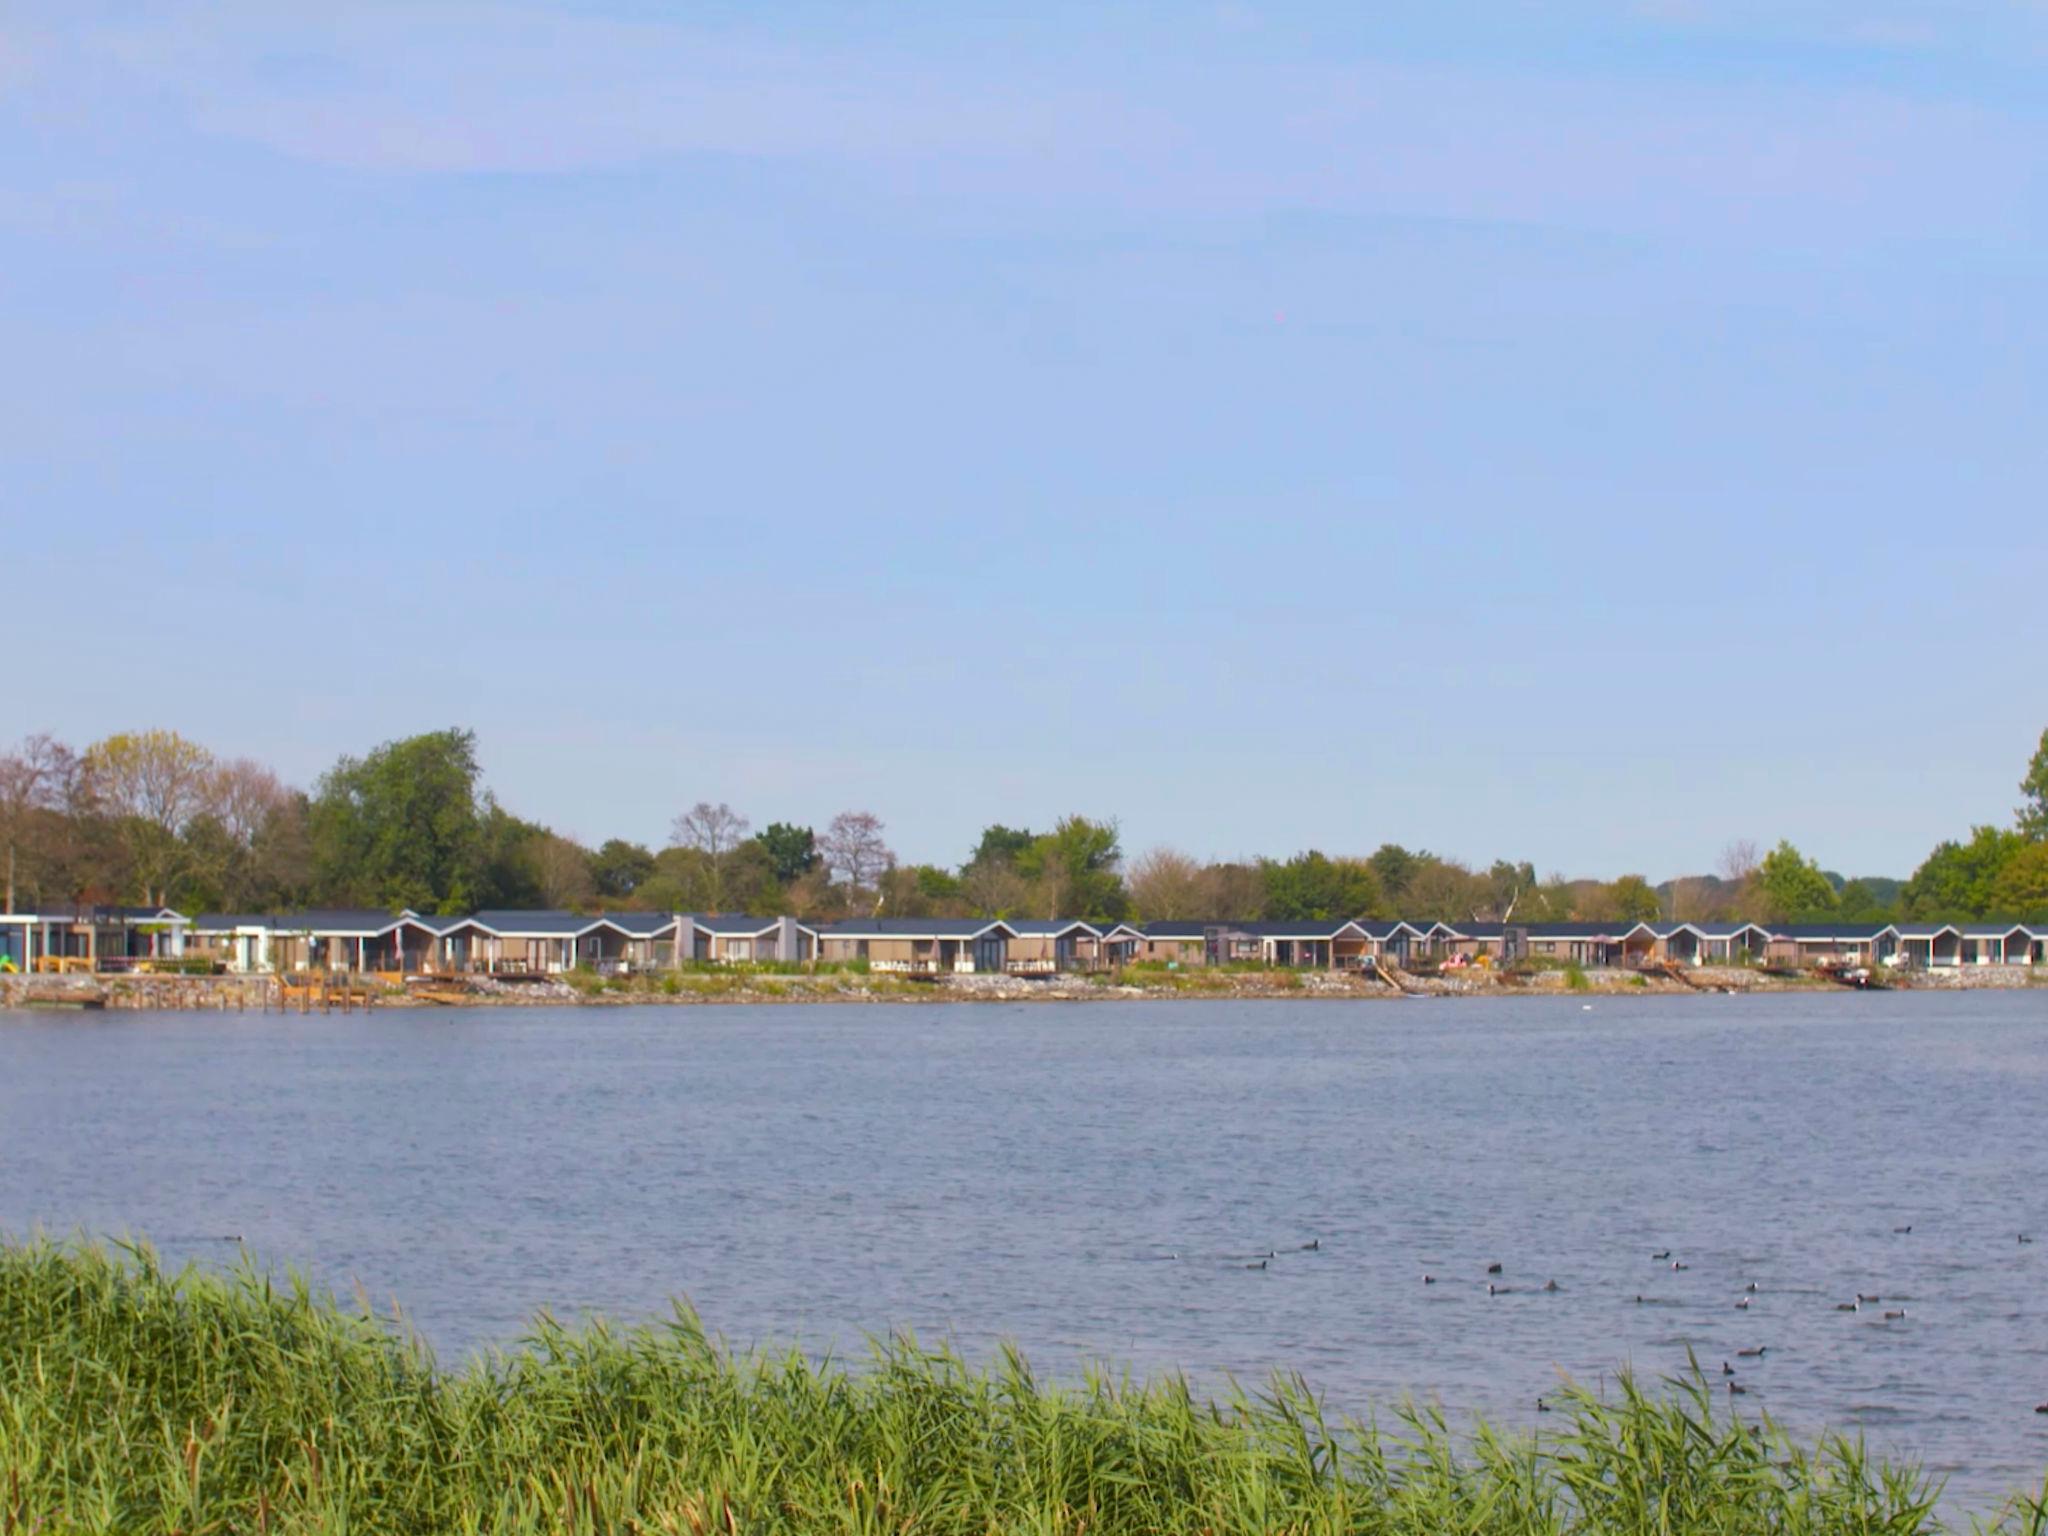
[1792, 886]
[152, 785]
[1957, 879]
[854, 852]
[618, 867]
[2033, 811]
[1314, 887]
[280, 866]
[2020, 889]
[1632, 899]
[1001, 845]
[921, 890]
[1738, 861]
[1167, 886]
[37, 780]
[1074, 868]
[714, 831]
[1507, 887]
[1395, 866]
[245, 800]
[1234, 892]
[405, 827]
[994, 888]
[561, 869]
[1443, 889]
[792, 851]
[1858, 902]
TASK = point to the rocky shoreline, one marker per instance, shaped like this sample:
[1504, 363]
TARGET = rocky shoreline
[259, 994]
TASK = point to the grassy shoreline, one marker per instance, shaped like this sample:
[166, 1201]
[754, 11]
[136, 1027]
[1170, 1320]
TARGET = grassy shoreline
[132, 1398]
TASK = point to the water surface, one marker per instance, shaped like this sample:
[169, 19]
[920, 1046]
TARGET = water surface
[985, 1171]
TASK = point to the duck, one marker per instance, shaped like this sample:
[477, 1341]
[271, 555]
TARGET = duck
[1639, 1301]
[1727, 1369]
[1660, 1257]
[1742, 1305]
[1314, 1245]
[1735, 1391]
[2041, 1408]
[1543, 1407]
[1552, 1285]
[1906, 1228]
[1260, 1265]
[1752, 1354]
[2024, 1238]
[1429, 1279]
[1848, 1306]
[1868, 1300]
[1893, 1317]
[1676, 1265]
[1751, 1287]
[1493, 1269]
[1499, 1290]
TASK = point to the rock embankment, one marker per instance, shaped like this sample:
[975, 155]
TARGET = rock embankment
[257, 994]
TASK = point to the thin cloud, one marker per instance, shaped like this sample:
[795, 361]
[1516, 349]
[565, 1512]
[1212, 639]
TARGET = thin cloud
[464, 91]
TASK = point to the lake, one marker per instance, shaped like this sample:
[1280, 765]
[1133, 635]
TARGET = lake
[982, 1172]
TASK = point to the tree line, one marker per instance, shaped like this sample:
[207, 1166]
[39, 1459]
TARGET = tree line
[151, 818]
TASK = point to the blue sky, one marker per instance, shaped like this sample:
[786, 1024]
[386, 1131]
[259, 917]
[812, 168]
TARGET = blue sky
[1585, 432]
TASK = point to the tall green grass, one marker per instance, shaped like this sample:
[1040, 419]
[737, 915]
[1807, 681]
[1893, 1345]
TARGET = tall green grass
[133, 1399]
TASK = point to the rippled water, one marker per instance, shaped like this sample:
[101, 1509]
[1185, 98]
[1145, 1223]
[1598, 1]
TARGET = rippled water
[984, 1172]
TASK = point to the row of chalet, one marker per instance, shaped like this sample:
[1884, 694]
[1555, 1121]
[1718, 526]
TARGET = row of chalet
[549, 943]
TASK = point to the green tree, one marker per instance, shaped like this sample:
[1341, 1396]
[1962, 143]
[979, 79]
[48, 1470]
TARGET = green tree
[1859, 902]
[153, 787]
[1001, 845]
[2021, 887]
[1394, 867]
[1509, 888]
[792, 851]
[404, 826]
[921, 890]
[1957, 879]
[2033, 811]
[1792, 886]
[1312, 886]
[619, 867]
[1632, 899]
[1076, 869]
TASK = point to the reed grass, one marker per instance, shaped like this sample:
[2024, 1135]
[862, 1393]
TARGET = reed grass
[137, 1399]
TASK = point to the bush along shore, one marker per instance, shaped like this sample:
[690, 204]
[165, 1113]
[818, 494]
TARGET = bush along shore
[140, 1400]
[770, 983]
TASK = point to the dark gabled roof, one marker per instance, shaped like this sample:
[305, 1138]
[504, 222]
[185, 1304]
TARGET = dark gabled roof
[85, 912]
[342, 920]
[1993, 930]
[1727, 930]
[549, 924]
[1386, 927]
[916, 928]
[641, 925]
[434, 922]
[1299, 928]
[1112, 930]
[1049, 927]
[1853, 933]
[739, 923]
[227, 922]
